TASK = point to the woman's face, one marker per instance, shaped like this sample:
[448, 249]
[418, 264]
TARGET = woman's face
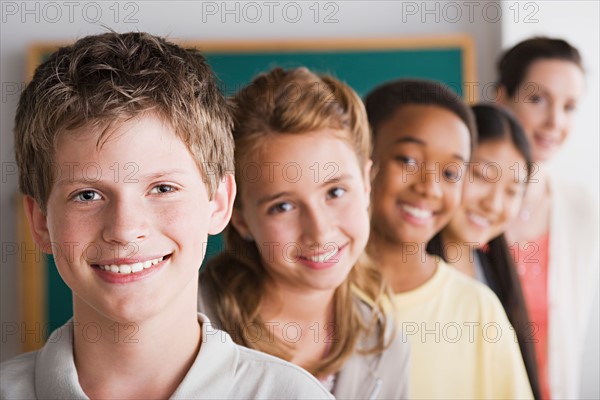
[492, 194]
[545, 103]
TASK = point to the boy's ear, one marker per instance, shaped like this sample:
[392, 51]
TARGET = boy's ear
[37, 224]
[222, 204]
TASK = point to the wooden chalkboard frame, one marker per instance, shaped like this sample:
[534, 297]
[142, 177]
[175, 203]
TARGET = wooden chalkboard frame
[33, 279]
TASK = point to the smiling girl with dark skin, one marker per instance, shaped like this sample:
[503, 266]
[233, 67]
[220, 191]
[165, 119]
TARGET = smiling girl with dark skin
[422, 137]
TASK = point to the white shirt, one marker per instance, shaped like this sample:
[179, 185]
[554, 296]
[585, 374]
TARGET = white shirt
[222, 370]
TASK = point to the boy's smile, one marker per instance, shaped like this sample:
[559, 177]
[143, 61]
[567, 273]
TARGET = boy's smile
[127, 220]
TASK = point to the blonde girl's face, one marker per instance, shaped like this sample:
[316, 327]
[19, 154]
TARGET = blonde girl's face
[304, 201]
[545, 104]
[492, 194]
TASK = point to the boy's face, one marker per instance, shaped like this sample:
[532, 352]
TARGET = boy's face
[420, 153]
[304, 203]
[128, 222]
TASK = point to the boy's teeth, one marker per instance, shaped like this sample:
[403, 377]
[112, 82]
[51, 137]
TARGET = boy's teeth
[323, 257]
[417, 212]
[130, 268]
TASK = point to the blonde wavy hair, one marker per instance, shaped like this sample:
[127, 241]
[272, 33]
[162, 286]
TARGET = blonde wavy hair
[293, 101]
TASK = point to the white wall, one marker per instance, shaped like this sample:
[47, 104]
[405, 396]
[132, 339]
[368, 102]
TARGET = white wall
[578, 161]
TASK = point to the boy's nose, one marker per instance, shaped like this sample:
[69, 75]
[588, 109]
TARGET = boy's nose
[124, 223]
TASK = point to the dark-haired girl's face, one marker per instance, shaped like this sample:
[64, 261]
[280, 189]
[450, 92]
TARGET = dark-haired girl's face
[420, 153]
[545, 103]
[492, 194]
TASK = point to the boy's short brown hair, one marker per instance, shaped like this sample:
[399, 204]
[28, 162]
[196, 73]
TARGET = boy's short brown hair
[105, 79]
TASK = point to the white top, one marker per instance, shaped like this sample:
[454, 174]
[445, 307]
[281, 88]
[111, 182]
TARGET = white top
[222, 370]
[573, 276]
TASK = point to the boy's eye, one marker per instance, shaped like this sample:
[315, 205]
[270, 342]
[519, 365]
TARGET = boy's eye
[87, 196]
[335, 193]
[162, 188]
[280, 208]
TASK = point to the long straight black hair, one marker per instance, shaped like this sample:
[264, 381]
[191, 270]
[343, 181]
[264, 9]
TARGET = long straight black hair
[497, 262]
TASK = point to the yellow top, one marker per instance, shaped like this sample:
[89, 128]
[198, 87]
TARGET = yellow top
[462, 344]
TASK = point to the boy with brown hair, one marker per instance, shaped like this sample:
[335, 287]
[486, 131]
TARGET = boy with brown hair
[125, 156]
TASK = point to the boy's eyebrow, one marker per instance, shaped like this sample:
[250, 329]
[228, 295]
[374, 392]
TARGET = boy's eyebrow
[83, 181]
[412, 139]
[158, 174]
[127, 174]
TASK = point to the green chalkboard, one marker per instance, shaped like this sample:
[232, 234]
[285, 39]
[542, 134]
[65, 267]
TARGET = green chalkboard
[363, 72]
[362, 63]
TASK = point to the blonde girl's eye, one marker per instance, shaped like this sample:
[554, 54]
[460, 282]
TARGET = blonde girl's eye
[280, 208]
[86, 196]
[163, 188]
[335, 193]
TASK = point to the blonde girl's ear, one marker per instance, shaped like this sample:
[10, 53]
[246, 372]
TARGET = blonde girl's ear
[37, 223]
[222, 204]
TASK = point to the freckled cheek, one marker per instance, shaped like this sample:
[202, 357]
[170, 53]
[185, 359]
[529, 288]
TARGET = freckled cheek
[71, 234]
[180, 220]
